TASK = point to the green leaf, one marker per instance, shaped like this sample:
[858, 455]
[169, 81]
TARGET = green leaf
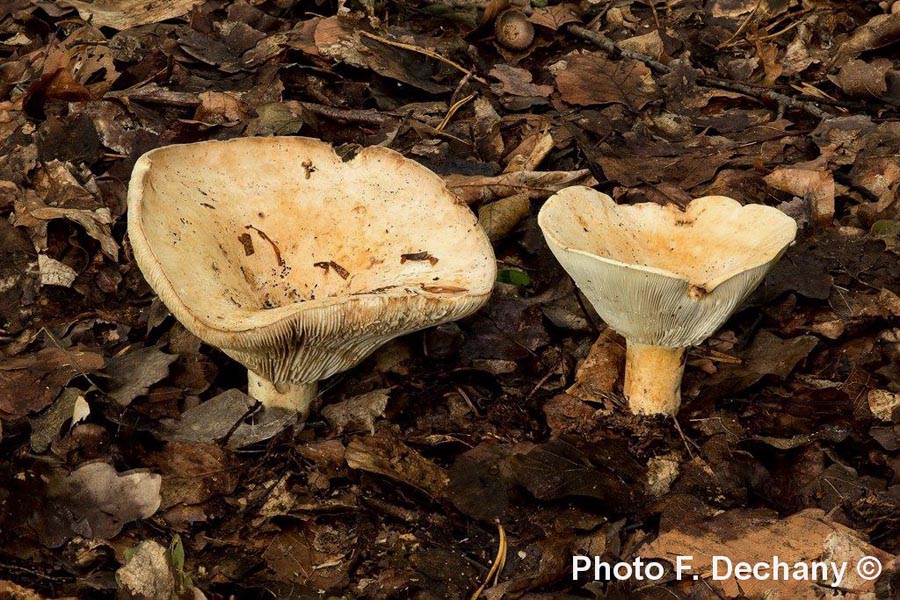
[539, 3]
[513, 277]
[886, 228]
[129, 553]
[176, 548]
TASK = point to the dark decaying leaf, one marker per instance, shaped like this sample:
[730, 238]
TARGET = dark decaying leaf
[132, 374]
[30, 383]
[193, 472]
[558, 469]
[767, 355]
[386, 455]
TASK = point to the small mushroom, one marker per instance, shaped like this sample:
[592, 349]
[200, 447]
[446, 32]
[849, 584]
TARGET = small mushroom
[513, 30]
[291, 260]
[663, 278]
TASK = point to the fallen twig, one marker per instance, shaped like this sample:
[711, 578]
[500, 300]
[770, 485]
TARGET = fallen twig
[497, 567]
[427, 52]
[783, 101]
[351, 115]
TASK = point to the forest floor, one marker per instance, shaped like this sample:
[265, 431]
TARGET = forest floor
[491, 441]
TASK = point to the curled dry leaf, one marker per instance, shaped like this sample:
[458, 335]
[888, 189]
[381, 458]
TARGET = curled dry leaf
[124, 14]
[474, 189]
[598, 374]
[95, 222]
[221, 108]
[70, 407]
[392, 458]
[817, 187]
[358, 413]
[501, 217]
[101, 501]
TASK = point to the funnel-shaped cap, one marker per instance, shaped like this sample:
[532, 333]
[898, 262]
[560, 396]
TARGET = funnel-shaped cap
[299, 264]
[660, 276]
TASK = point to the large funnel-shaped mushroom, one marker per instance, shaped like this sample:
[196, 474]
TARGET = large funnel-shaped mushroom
[298, 264]
[664, 278]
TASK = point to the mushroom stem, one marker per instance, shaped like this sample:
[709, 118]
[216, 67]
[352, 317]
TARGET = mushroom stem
[653, 378]
[288, 396]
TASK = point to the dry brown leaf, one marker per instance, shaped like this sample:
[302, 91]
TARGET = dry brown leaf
[500, 217]
[768, 56]
[517, 82]
[591, 78]
[817, 187]
[132, 374]
[54, 272]
[147, 574]
[880, 31]
[221, 108]
[650, 44]
[101, 501]
[554, 17]
[193, 472]
[474, 189]
[864, 79]
[359, 413]
[754, 537]
[125, 14]
[313, 554]
[392, 458]
[30, 383]
[597, 375]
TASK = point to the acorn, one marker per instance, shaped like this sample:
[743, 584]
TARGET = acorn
[513, 29]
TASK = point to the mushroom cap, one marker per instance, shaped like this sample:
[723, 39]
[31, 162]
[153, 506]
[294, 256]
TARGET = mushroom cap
[513, 29]
[658, 275]
[299, 264]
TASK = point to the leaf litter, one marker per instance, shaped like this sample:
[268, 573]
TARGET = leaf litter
[122, 431]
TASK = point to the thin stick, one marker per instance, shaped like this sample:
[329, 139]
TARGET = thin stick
[497, 567]
[426, 51]
[742, 27]
[351, 115]
[452, 111]
[759, 93]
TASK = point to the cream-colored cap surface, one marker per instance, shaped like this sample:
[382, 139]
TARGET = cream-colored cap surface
[299, 264]
[658, 275]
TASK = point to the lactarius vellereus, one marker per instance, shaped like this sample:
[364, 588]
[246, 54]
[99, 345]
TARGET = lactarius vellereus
[299, 264]
[664, 278]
